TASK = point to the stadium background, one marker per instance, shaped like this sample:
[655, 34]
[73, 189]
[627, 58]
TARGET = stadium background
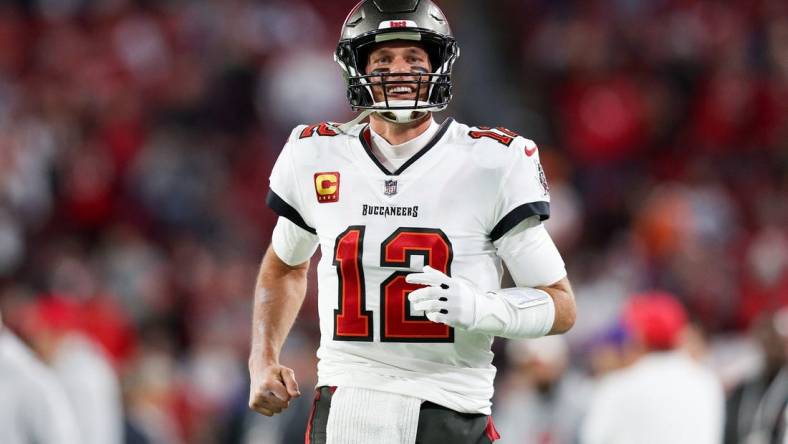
[136, 139]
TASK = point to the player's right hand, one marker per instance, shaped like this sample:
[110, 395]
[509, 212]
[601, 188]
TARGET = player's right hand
[272, 388]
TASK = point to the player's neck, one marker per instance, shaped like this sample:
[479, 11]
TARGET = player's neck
[399, 133]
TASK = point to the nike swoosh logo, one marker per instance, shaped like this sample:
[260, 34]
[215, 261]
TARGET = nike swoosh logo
[530, 152]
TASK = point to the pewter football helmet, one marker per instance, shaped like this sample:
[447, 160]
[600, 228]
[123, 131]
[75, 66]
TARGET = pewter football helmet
[375, 21]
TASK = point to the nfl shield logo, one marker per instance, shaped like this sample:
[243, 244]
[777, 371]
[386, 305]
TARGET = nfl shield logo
[390, 188]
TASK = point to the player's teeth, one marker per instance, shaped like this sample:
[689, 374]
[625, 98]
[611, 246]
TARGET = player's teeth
[400, 89]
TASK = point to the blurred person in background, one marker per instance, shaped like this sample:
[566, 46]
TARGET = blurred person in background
[608, 351]
[542, 400]
[52, 327]
[34, 408]
[150, 393]
[757, 408]
[414, 220]
[665, 396]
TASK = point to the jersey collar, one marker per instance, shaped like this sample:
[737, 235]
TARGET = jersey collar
[364, 137]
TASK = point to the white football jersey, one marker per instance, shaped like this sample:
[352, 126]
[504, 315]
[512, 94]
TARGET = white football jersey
[444, 208]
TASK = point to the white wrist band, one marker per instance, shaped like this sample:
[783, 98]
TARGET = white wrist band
[515, 313]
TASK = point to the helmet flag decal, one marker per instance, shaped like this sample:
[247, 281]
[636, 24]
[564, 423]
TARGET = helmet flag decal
[398, 24]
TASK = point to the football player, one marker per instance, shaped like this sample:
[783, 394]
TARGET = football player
[415, 220]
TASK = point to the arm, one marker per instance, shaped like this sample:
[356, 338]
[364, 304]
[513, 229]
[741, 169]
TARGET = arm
[520, 312]
[279, 293]
[529, 310]
[565, 309]
[535, 263]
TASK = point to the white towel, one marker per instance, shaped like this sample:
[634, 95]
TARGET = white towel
[363, 416]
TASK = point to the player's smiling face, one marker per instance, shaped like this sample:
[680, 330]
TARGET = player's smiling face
[398, 57]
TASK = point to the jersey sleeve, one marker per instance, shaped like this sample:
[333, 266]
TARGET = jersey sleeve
[523, 192]
[531, 255]
[284, 196]
[292, 244]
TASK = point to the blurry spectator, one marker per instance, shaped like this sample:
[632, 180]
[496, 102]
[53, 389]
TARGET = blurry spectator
[80, 365]
[11, 244]
[608, 351]
[150, 398]
[105, 322]
[177, 178]
[665, 396]
[33, 406]
[134, 271]
[304, 77]
[27, 149]
[566, 206]
[757, 408]
[686, 230]
[541, 401]
[764, 283]
[86, 196]
[603, 118]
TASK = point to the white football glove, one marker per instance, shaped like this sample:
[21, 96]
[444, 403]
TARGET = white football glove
[450, 301]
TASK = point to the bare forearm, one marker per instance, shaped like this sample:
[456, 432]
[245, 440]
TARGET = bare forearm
[279, 293]
[565, 310]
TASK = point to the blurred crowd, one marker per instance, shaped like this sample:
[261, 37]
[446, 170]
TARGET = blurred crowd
[136, 139]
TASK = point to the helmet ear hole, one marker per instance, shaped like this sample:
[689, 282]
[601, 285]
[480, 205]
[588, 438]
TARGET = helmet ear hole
[344, 54]
[352, 97]
[356, 96]
[441, 93]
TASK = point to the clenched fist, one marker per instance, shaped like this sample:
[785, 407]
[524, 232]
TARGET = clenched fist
[272, 387]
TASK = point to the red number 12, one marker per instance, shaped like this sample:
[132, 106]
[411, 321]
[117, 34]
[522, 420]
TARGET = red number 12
[352, 322]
